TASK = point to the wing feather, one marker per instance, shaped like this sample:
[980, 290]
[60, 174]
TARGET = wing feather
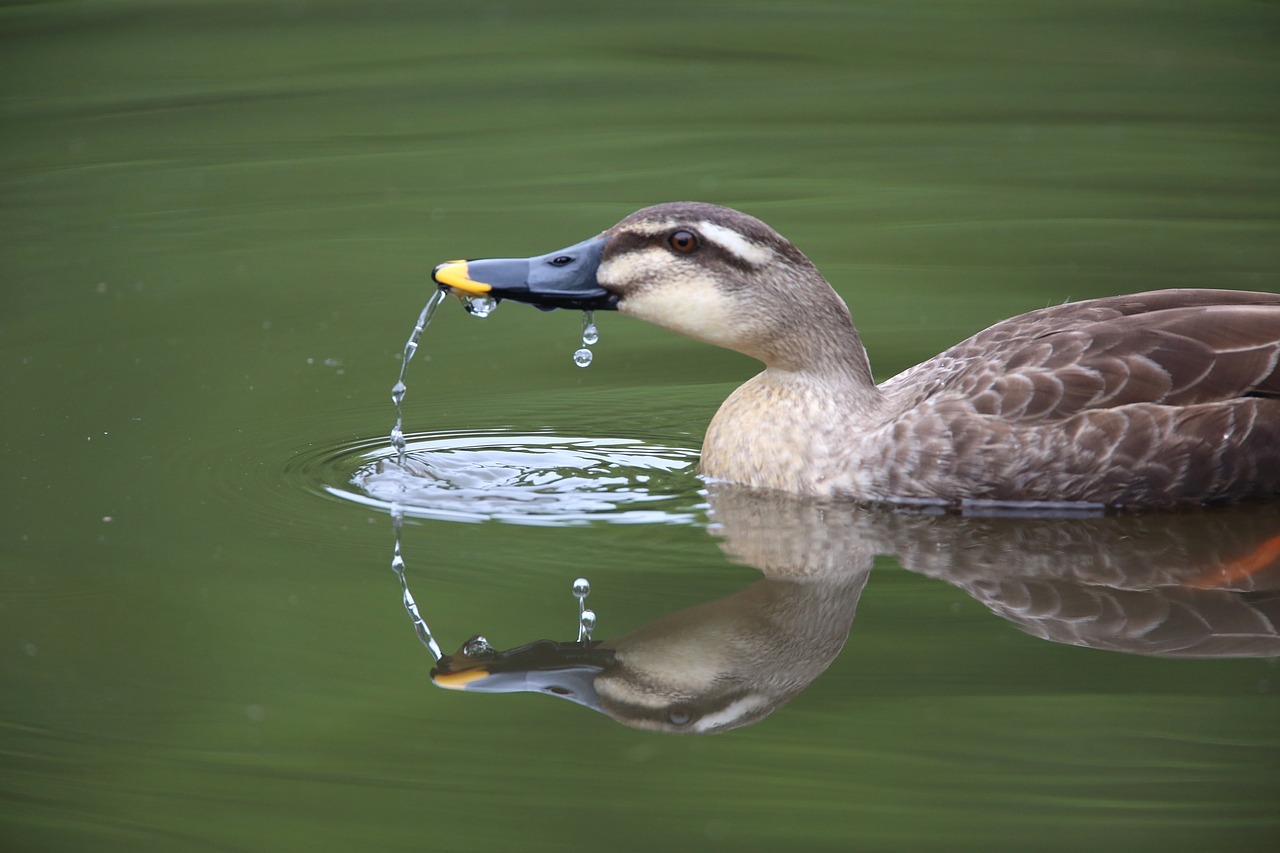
[1172, 348]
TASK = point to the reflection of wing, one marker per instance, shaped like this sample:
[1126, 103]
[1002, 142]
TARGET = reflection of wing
[1196, 584]
[1227, 548]
[1202, 583]
[1171, 622]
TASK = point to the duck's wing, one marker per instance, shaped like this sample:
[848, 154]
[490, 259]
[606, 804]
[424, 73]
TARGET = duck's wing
[1172, 348]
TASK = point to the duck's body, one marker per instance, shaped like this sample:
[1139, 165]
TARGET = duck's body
[1154, 399]
[1151, 399]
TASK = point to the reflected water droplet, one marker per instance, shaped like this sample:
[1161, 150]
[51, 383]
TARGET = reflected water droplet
[420, 626]
[480, 306]
[586, 618]
[582, 357]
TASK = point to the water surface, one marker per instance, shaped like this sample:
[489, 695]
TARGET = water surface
[217, 223]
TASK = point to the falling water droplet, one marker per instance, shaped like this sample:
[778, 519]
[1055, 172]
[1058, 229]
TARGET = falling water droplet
[581, 588]
[590, 335]
[480, 306]
[399, 389]
[588, 624]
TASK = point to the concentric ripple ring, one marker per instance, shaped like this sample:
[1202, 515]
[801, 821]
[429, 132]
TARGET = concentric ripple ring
[533, 479]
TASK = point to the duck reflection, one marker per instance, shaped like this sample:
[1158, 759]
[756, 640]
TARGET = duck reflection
[1190, 584]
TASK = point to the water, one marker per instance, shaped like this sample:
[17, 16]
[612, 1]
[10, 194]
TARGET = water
[590, 336]
[586, 624]
[411, 482]
[410, 604]
[586, 618]
[480, 307]
[400, 388]
[217, 217]
[540, 479]
[406, 482]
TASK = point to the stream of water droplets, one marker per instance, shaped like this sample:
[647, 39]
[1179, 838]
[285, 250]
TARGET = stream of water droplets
[590, 335]
[398, 390]
[480, 307]
[410, 606]
[398, 442]
[586, 618]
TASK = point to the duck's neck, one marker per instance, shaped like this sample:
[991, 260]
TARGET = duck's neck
[786, 428]
[824, 349]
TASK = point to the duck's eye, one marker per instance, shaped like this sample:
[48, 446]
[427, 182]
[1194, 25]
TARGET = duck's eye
[683, 241]
[679, 716]
[561, 260]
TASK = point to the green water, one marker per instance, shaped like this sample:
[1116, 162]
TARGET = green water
[217, 224]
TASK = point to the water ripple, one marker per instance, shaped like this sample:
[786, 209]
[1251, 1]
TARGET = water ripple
[534, 479]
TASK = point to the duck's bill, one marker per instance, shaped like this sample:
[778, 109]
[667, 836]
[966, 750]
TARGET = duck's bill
[567, 670]
[562, 279]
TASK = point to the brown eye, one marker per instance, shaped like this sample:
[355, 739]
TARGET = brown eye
[683, 241]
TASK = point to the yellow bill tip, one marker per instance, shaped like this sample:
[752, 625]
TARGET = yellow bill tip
[458, 680]
[454, 275]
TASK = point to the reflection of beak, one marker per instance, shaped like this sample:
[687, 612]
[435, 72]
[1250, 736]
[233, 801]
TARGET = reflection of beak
[567, 670]
[563, 279]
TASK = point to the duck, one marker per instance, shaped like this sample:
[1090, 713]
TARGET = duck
[1158, 399]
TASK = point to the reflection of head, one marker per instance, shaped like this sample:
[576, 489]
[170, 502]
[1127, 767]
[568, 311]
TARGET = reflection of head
[729, 662]
[567, 670]
[709, 668]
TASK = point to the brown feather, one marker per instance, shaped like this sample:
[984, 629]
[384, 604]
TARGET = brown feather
[1149, 399]
[1115, 353]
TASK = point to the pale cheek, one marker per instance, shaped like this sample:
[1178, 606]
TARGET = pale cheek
[633, 268]
[691, 307]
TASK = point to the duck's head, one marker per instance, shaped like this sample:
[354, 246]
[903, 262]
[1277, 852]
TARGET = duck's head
[708, 272]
